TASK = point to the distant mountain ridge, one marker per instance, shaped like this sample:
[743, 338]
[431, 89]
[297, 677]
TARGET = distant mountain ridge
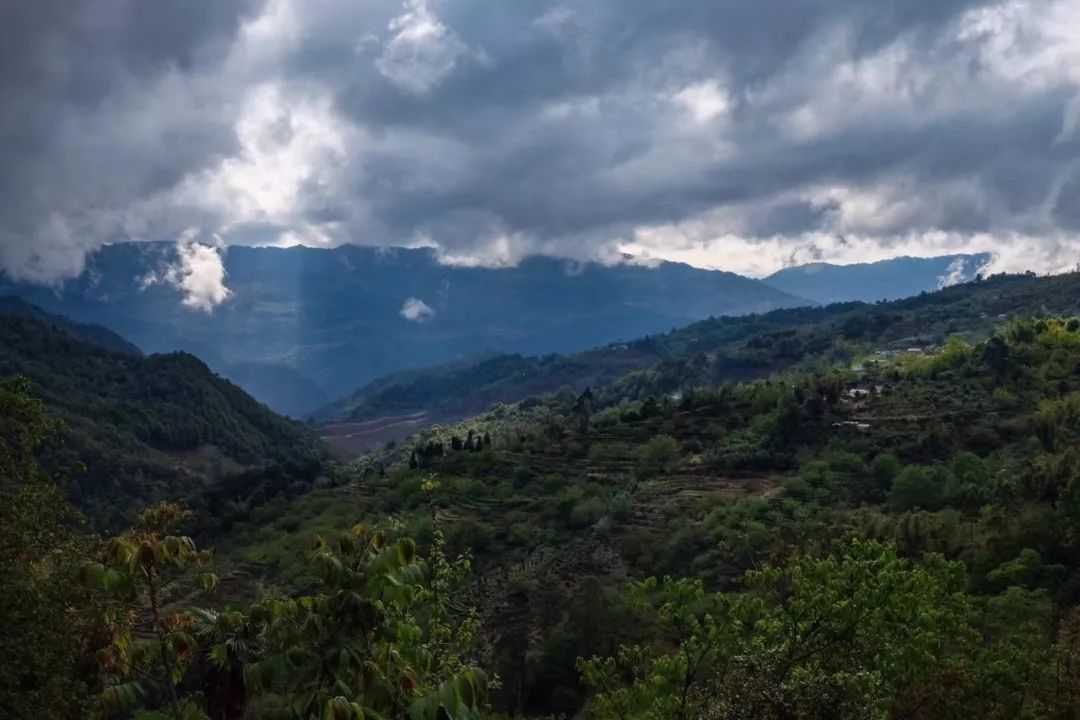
[306, 325]
[891, 279]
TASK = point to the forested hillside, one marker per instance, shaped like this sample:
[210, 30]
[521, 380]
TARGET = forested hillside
[878, 522]
[884, 521]
[91, 334]
[139, 429]
[715, 350]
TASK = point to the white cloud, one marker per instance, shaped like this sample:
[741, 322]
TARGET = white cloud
[708, 242]
[416, 310]
[54, 254]
[268, 36]
[954, 274]
[422, 50]
[554, 19]
[290, 143]
[199, 273]
[704, 101]
[498, 249]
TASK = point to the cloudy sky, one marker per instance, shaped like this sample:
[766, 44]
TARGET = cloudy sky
[725, 133]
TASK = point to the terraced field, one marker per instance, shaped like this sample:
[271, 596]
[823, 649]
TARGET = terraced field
[525, 497]
[348, 441]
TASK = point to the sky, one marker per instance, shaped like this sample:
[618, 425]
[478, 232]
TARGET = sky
[746, 136]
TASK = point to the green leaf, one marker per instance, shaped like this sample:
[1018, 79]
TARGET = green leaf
[422, 708]
[219, 654]
[121, 697]
[90, 574]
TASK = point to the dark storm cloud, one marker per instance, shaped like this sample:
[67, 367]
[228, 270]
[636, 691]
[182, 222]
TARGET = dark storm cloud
[794, 218]
[86, 125]
[572, 175]
[498, 129]
[1067, 203]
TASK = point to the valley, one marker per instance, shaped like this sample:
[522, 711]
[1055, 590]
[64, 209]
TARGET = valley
[137, 429]
[303, 326]
[931, 451]
[714, 350]
[886, 447]
[594, 360]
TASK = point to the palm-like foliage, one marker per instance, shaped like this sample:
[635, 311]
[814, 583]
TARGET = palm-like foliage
[362, 649]
[136, 573]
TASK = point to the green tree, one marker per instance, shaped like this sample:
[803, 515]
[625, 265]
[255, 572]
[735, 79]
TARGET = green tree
[582, 410]
[914, 487]
[380, 642]
[859, 634]
[43, 635]
[884, 470]
[658, 455]
[149, 648]
[703, 629]
[1027, 570]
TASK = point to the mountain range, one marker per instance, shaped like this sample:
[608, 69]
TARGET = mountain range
[304, 327]
[891, 279]
[149, 426]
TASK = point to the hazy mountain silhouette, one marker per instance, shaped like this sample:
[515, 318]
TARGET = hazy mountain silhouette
[884, 280]
[306, 325]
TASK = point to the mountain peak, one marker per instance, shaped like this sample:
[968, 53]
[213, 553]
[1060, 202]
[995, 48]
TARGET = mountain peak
[890, 279]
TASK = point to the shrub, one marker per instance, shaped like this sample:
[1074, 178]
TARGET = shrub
[657, 456]
[586, 513]
[914, 487]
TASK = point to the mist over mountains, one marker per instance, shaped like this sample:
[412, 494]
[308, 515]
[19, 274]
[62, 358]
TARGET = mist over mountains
[300, 327]
[884, 280]
[303, 326]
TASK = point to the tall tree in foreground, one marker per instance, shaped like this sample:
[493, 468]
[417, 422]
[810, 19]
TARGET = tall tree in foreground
[41, 630]
[386, 638]
[149, 648]
[380, 642]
